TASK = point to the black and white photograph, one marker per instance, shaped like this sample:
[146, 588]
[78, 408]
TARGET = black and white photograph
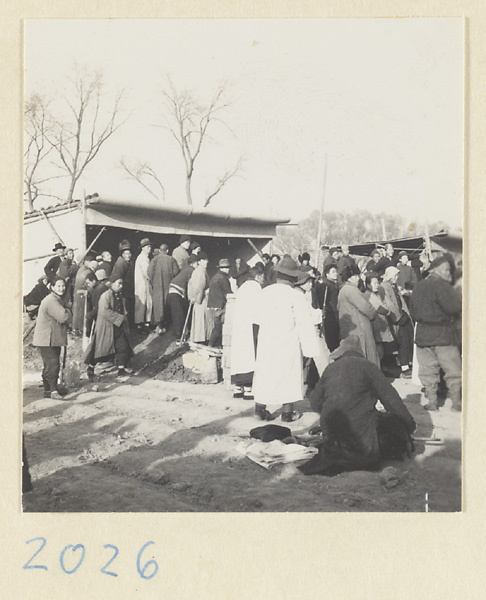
[242, 265]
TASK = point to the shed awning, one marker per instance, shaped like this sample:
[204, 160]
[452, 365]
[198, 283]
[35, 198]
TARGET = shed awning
[164, 218]
[413, 245]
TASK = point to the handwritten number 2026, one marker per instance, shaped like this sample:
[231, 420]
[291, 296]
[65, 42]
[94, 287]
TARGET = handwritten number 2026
[71, 555]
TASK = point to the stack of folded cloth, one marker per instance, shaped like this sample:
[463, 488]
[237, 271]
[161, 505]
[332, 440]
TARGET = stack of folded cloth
[267, 454]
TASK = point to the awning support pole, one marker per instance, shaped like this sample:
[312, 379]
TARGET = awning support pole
[53, 229]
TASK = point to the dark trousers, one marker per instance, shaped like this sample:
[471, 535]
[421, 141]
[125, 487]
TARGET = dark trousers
[216, 336]
[50, 357]
[405, 343]
[123, 350]
[331, 330]
[130, 308]
[178, 310]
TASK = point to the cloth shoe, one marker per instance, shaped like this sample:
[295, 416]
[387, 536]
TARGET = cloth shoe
[262, 413]
[290, 417]
[237, 391]
[248, 394]
[56, 395]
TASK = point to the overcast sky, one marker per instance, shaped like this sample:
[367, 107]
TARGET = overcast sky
[382, 98]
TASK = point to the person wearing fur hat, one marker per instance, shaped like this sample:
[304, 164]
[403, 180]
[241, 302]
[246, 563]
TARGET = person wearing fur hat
[143, 286]
[123, 269]
[355, 435]
[332, 258]
[219, 288]
[407, 277]
[436, 307]
[181, 253]
[356, 314]
[286, 334]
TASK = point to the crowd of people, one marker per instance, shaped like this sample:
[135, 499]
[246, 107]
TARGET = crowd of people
[344, 333]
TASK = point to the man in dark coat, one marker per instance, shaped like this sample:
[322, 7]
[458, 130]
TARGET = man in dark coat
[327, 298]
[345, 397]
[107, 262]
[33, 299]
[123, 269]
[332, 257]
[219, 288]
[177, 296]
[161, 271]
[344, 260]
[79, 296]
[53, 264]
[240, 272]
[67, 270]
[436, 307]
[181, 253]
[375, 258]
[386, 261]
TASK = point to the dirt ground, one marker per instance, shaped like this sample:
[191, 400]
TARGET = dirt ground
[161, 442]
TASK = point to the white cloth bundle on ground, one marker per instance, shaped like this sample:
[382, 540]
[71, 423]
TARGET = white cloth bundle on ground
[267, 454]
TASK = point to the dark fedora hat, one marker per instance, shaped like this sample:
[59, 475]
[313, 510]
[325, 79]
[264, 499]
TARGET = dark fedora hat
[59, 246]
[287, 266]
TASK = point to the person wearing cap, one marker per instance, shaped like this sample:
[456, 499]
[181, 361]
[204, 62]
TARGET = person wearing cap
[239, 272]
[143, 286]
[79, 296]
[402, 327]
[181, 253]
[356, 314]
[244, 333]
[332, 258]
[96, 285]
[161, 271]
[354, 433]
[375, 258]
[33, 299]
[219, 288]
[123, 269]
[195, 247]
[344, 260]
[52, 265]
[304, 262]
[197, 292]
[286, 334]
[177, 296]
[50, 334]
[436, 307]
[407, 277]
[110, 336]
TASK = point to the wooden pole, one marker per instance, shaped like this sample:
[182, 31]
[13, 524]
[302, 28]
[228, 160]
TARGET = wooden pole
[321, 212]
[53, 229]
[83, 224]
[92, 244]
[255, 248]
[383, 228]
[428, 245]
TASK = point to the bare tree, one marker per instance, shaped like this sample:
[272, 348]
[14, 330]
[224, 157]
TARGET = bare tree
[189, 122]
[79, 138]
[37, 125]
[142, 172]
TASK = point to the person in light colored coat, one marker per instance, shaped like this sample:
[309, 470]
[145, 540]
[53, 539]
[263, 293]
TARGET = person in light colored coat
[197, 293]
[286, 334]
[50, 335]
[356, 314]
[143, 286]
[244, 333]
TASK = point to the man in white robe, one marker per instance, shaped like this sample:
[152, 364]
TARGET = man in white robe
[286, 334]
[244, 333]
